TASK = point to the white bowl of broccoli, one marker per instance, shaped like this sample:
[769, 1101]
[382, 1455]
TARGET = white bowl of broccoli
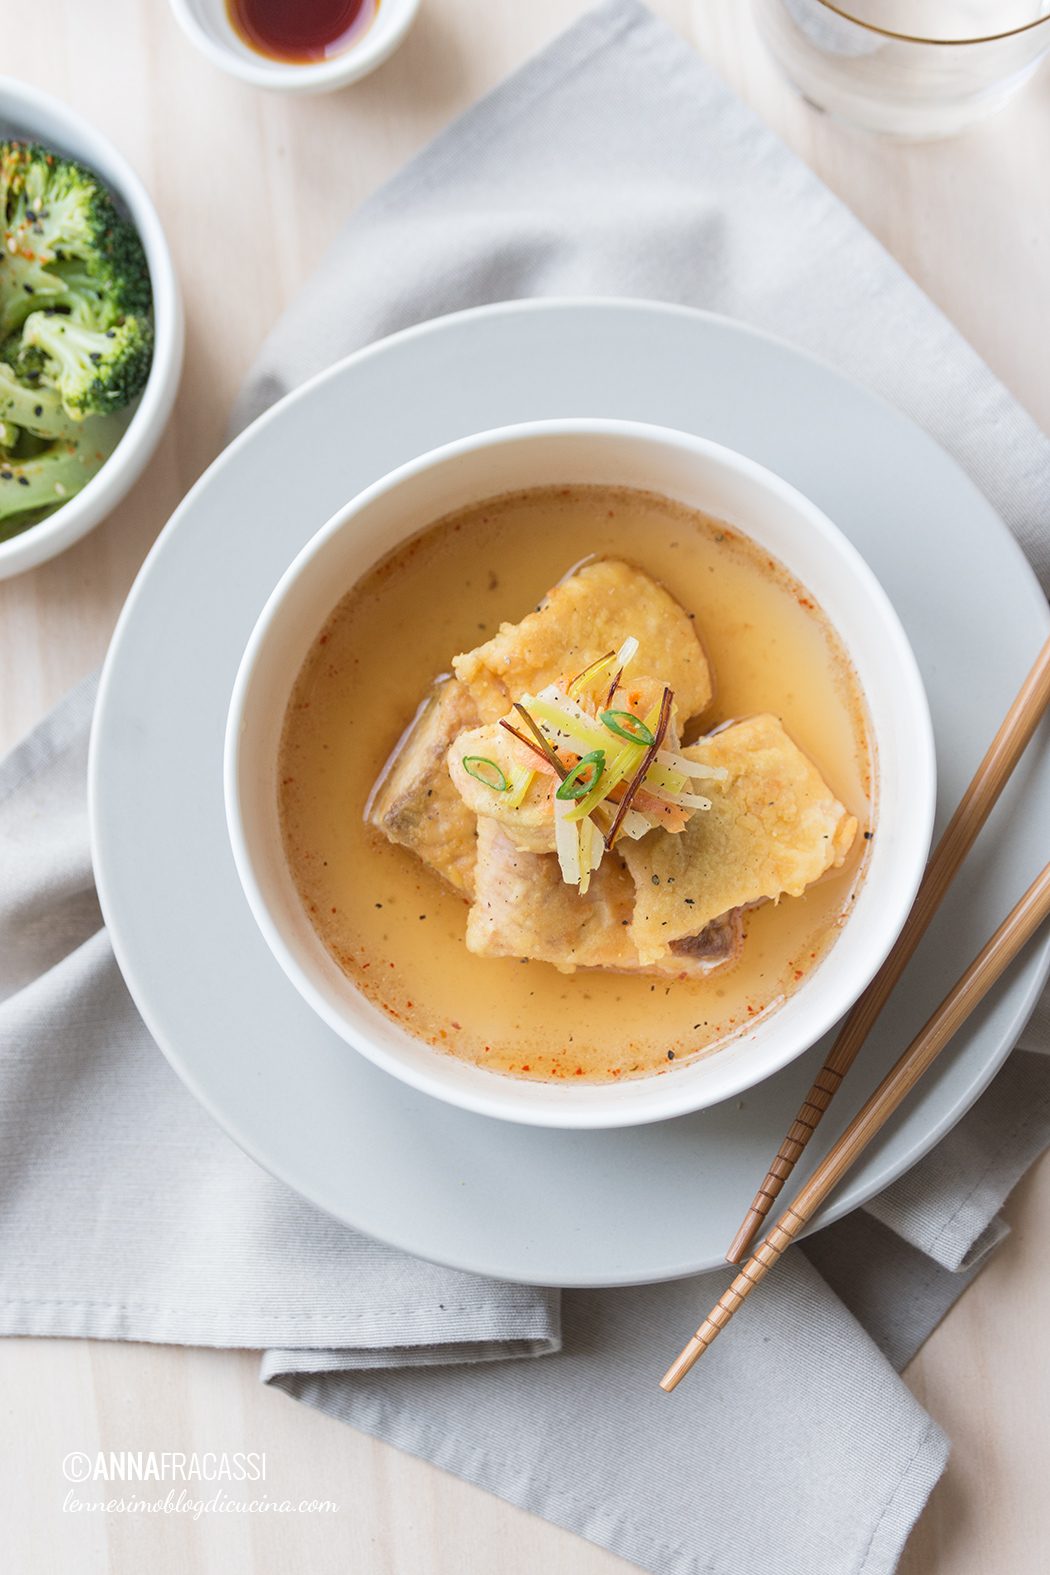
[91, 327]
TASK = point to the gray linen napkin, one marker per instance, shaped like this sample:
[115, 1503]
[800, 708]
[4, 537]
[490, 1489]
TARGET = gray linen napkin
[613, 164]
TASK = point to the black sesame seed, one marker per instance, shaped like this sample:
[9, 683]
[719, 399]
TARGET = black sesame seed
[23, 481]
[670, 1055]
[656, 880]
[38, 410]
[868, 836]
[96, 356]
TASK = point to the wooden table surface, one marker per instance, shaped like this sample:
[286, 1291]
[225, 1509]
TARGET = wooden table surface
[251, 188]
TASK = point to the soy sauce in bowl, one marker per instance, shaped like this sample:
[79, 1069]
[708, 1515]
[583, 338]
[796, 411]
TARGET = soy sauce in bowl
[303, 33]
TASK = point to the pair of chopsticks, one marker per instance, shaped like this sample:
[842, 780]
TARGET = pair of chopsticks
[1012, 935]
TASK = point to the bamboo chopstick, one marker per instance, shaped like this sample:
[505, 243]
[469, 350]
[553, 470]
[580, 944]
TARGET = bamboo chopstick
[1015, 931]
[976, 804]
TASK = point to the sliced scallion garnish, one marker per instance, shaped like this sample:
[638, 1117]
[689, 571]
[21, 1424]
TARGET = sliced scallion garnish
[485, 771]
[626, 725]
[583, 776]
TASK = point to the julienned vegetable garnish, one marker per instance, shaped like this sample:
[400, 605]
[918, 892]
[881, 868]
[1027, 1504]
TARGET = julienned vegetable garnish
[583, 776]
[606, 747]
[541, 746]
[487, 771]
[589, 674]
[647, 760]
[76, 331]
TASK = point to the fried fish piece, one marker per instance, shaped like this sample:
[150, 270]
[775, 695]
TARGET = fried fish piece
[773, 828]
[414, 802]
[579, 620]
[523, 908]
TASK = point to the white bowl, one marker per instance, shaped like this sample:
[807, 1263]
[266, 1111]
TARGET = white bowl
[207, 25]
[27, 113]
[695, 472]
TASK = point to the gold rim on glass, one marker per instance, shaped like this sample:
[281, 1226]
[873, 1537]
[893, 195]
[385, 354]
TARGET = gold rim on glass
[917, 38]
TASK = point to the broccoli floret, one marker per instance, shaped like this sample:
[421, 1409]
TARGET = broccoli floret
[63, 244]
[37, 409]
[33, 487]
[94, 371]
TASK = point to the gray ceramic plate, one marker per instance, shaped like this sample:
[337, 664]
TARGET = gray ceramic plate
[522, 1203]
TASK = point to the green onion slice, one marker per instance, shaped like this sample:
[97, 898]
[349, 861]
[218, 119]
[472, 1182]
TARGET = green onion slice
[485, 771]
[626, 725]
[583, 776]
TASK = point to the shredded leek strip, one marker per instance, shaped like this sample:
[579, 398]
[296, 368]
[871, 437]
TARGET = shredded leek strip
[571, 726]
[521, 779]
[691, 768]
[627, 652]
[583, 832]
[567, 844]
[685, 800]
[660, 779]
[634, 825]
[589, 677]
[582, 680]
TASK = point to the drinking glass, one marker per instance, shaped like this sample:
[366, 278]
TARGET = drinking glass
[907, 68]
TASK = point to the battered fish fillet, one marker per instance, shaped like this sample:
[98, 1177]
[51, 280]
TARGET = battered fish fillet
[773, 828]
[415, 803]
[523, 908]
[590, 613]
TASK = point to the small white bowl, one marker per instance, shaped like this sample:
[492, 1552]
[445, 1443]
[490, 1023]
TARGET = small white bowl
[27, 113]
[207, 25]
[705, 476]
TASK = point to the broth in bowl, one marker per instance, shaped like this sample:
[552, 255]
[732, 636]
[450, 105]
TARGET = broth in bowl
[576, 783]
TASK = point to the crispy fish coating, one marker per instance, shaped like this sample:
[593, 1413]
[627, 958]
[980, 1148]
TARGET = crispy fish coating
[415, 803]
[774, 827]
[582, 618]
[523, 908]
